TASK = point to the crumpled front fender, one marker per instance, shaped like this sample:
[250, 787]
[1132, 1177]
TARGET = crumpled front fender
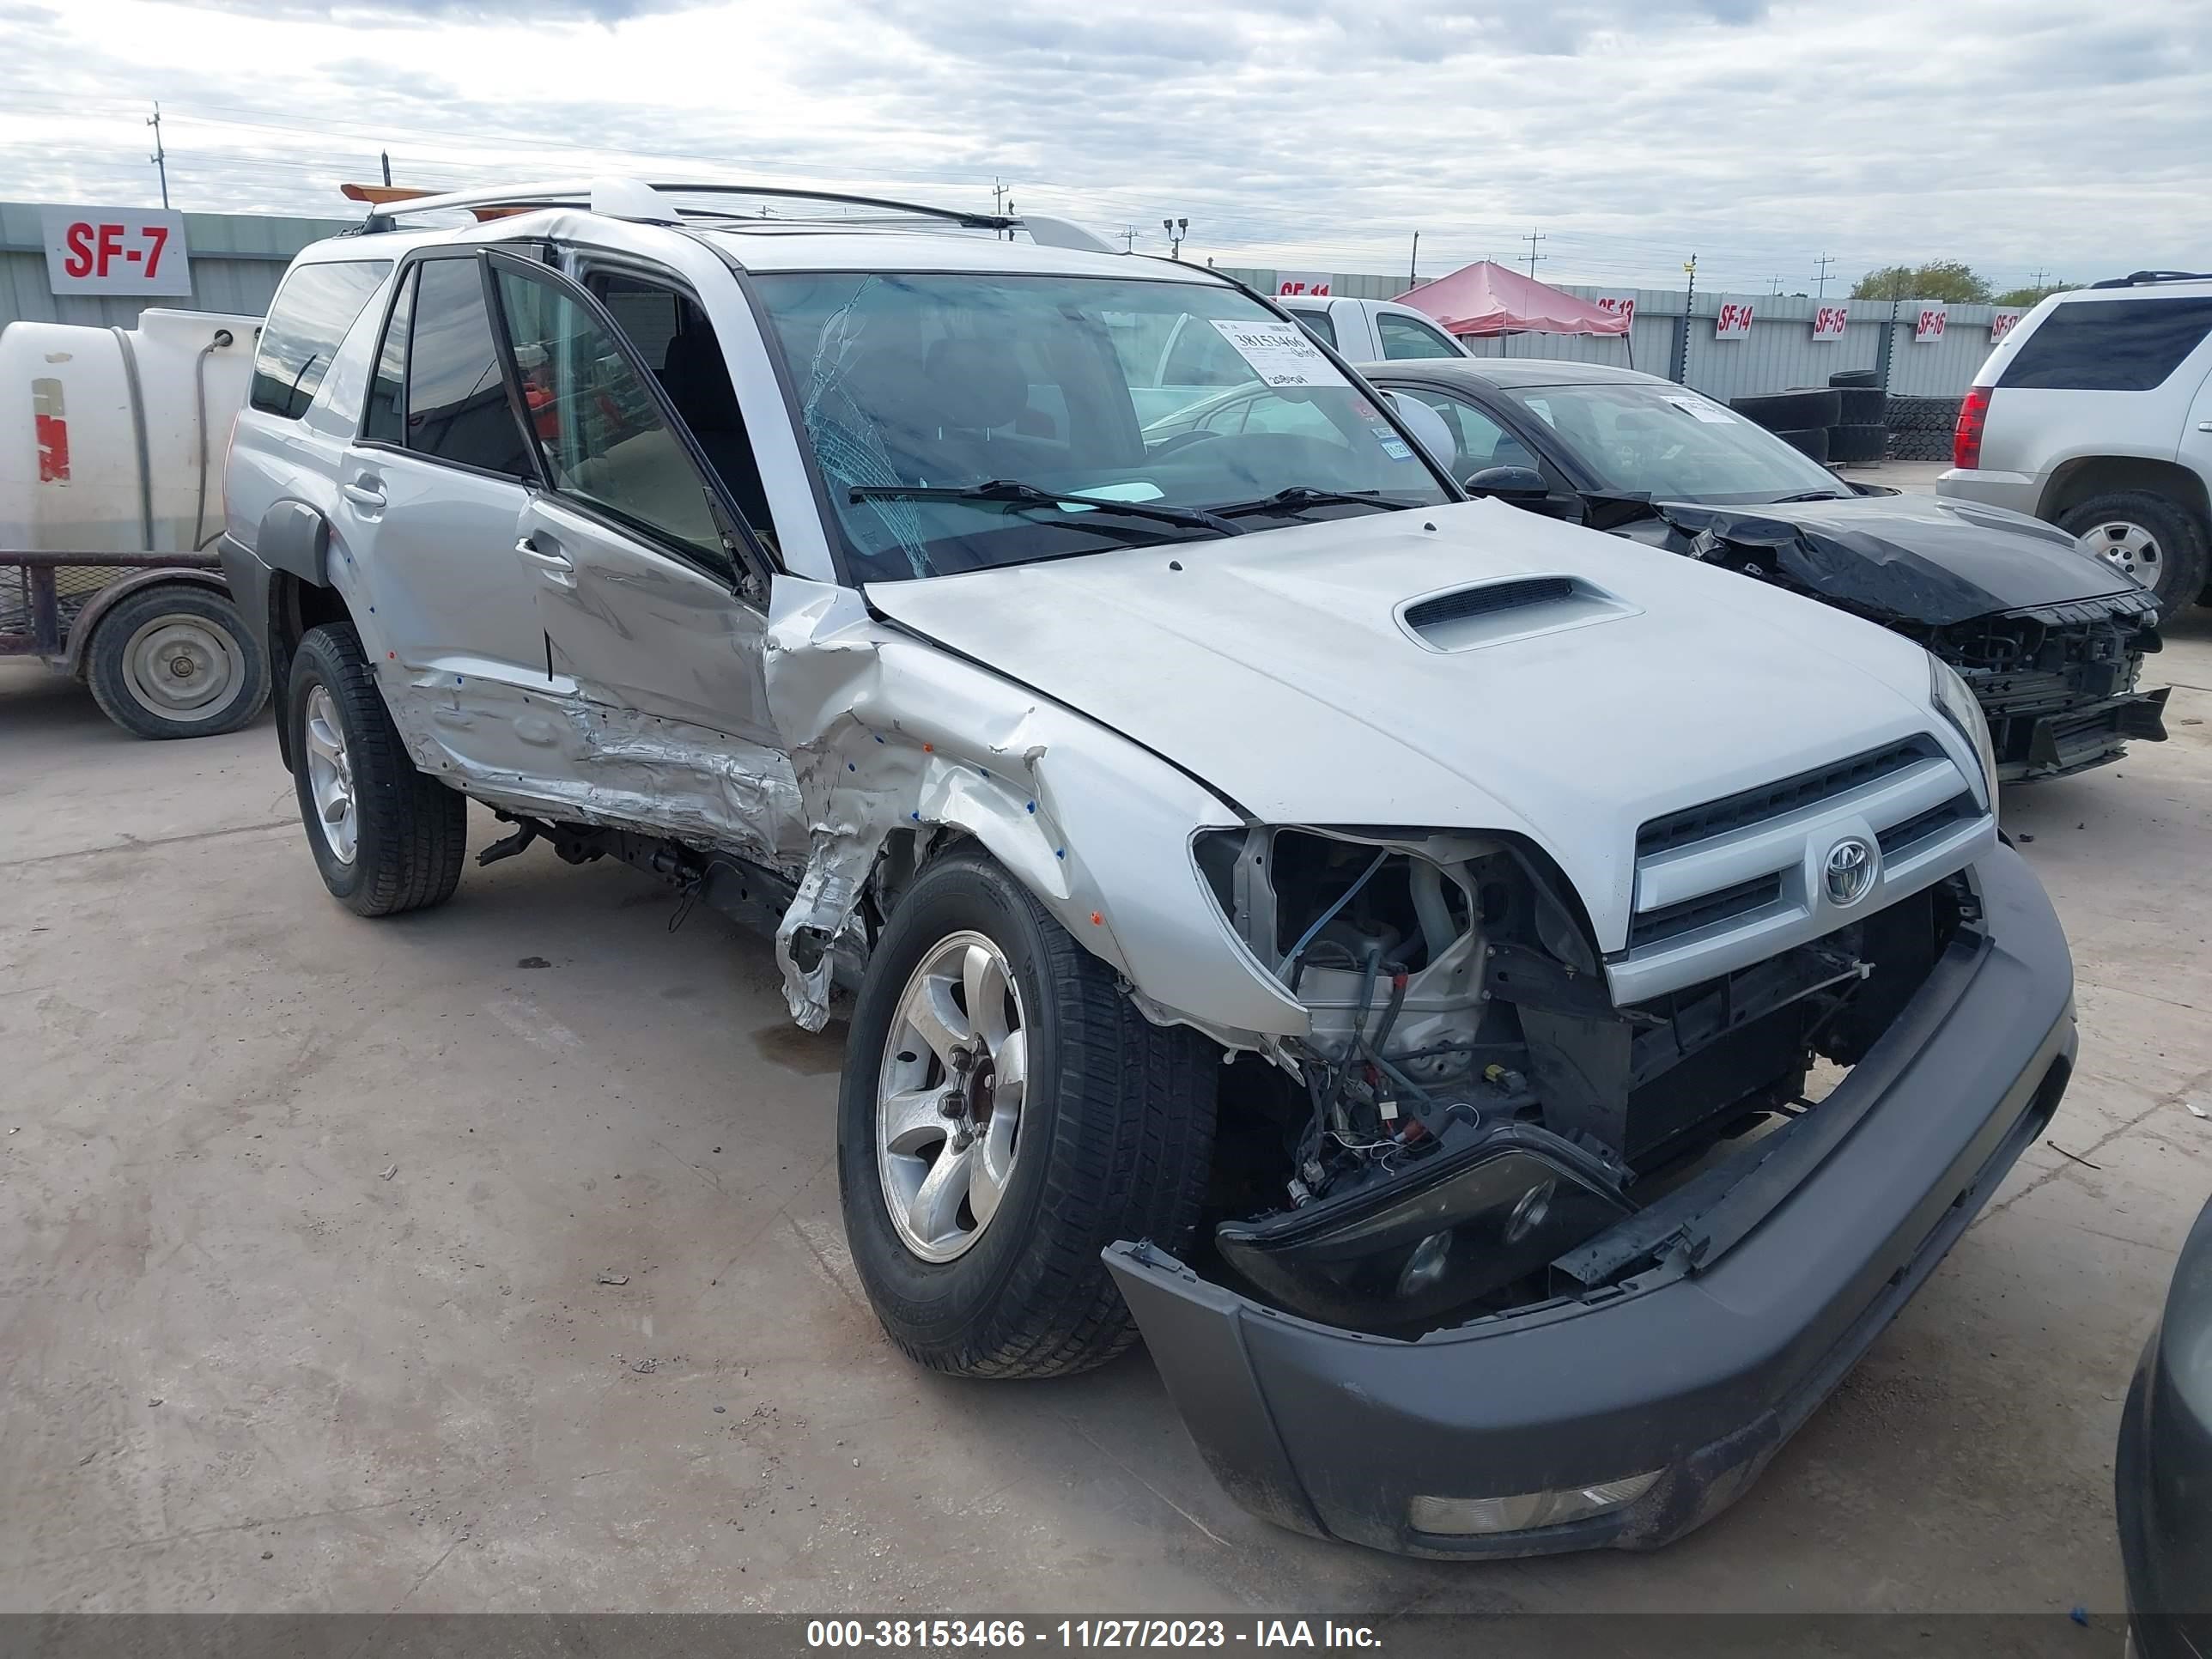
[887, 732]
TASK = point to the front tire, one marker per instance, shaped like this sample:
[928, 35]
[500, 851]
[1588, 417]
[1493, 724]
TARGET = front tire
[386, 837]
[2151, 536]
[977, 1233]
[175, 660]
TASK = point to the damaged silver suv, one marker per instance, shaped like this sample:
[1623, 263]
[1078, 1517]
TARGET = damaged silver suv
[1629, 996]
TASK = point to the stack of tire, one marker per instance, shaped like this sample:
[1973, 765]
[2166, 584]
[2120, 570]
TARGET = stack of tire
[1920, 427]
[1840, 424]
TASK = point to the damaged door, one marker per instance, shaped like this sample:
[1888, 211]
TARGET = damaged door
[648, 583]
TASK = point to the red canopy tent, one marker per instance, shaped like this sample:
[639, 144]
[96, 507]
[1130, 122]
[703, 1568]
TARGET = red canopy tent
[1487, 299]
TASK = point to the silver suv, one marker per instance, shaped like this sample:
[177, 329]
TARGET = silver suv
[837, 568]
[2095, 413]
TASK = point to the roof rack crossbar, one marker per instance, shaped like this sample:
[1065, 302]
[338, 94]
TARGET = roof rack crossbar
[2142, 278]
[523, 197]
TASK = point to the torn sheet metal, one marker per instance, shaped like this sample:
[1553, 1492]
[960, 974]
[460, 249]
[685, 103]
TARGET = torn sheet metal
[1890, 558]
[888, 734]
[584, 758]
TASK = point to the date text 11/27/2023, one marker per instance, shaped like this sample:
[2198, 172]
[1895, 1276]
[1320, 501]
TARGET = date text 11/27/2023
[938, 1634]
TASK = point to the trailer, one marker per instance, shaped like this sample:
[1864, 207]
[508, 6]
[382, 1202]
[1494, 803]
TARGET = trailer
[110, 458]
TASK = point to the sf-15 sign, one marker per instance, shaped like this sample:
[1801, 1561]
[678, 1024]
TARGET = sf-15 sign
[91, 249]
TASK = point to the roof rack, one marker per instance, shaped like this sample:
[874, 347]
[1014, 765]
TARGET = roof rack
[2145, 278]
[647, 201]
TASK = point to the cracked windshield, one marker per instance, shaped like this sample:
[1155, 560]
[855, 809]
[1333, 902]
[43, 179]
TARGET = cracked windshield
[962, 421]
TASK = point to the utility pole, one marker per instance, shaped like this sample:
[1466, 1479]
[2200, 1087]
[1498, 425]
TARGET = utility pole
[1681, 366]
[1823, 262]
[1413, 264]
[1176, 230]
[384, 156]
[160, 158]
[1532, 239]
[1128, 238]
[998, 195]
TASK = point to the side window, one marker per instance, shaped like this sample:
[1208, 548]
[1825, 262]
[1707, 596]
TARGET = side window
[1319, 324]
[595, 421]
[313, 312]
[2113, 345]
[385, 421]
[1404, 337]
[1478, 441]
[456, 407]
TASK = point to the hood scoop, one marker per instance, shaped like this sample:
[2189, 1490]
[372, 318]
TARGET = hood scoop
[1490, 613]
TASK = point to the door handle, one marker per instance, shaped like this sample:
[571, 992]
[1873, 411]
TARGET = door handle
[368, 495]
[537, 555]
[2204, 426]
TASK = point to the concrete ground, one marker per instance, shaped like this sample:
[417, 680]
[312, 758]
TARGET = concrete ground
[306, 1224]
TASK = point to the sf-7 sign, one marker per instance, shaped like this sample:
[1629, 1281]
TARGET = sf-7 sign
[116, 251]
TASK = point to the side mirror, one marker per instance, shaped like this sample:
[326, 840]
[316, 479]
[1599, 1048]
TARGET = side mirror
[1524, 486]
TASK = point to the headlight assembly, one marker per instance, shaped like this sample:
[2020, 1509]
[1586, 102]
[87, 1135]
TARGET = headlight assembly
[1954, 700]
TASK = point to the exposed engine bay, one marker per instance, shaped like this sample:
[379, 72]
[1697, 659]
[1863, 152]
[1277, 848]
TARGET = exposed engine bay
[1470, 1108]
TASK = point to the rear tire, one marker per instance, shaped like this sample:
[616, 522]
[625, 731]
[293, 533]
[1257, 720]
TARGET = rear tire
[2152, 536]
[1791, 411]
[1813, 443]
[1111, 1137]
[175, 660]
[386, 837]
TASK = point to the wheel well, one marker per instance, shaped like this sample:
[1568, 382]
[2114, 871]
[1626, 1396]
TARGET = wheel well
[294, 606]
[2077, 480]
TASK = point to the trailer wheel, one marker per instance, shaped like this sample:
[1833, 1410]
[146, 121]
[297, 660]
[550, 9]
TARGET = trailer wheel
[175, 660]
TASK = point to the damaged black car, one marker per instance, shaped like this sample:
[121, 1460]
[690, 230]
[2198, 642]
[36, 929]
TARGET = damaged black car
[2050, 640]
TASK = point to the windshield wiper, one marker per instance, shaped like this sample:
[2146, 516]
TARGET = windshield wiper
[1812, 495]
[1298, 497]
[1010, 493]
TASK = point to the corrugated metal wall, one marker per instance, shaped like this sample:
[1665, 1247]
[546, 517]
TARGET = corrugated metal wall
[237, 259]
[1781, 351]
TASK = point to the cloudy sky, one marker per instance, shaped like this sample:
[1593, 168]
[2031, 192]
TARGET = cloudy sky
[2062, 135]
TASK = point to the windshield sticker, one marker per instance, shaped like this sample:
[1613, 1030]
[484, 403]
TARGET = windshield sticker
[1281, 354]
[1698, 409]
[1396, 451]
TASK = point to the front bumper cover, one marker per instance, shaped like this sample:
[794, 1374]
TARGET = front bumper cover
[1701, 1367]
[2077, 738]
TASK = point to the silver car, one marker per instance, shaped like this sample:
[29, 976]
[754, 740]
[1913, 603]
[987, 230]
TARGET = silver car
[823, 566]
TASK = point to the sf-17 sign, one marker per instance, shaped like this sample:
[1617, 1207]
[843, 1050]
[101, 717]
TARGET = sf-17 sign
[2001, 324]
[93, 250]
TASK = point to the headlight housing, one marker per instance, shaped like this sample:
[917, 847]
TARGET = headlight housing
[1954, 701]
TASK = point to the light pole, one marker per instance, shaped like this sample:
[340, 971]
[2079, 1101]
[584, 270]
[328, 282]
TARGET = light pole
[1176, 230]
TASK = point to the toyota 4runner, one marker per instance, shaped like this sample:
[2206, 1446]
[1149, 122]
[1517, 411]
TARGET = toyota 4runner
[1630, 997]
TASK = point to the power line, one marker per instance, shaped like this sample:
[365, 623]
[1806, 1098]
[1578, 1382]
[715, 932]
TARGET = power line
[1532, 239]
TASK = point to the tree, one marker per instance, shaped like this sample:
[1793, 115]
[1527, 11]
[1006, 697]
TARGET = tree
[2022, 298]
[1949, 280]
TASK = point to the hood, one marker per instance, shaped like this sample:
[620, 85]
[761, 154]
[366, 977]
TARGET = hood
[1276, 668]
[1907, 558]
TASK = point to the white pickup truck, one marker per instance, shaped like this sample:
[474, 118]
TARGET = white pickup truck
[1371, 331]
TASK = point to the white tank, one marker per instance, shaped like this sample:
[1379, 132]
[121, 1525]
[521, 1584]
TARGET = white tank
[91, 462]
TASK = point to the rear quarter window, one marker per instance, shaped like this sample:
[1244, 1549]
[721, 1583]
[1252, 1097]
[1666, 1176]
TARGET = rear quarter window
[313, 312]
[2113, 345]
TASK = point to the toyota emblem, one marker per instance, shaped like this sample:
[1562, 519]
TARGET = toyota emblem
[1849, 871]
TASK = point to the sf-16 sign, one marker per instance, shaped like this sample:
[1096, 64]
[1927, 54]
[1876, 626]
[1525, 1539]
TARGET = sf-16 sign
[92, 250]
[1931, 325]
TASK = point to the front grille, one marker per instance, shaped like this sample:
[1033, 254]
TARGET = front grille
[1672, 920]
[1716, 817]
[1902, 837]
[1485, 601]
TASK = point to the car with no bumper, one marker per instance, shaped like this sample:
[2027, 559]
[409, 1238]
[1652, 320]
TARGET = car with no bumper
[1611, 948]
[2050, 641]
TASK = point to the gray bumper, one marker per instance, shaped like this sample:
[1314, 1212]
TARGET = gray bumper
[2021, 492]
[1699, 1372]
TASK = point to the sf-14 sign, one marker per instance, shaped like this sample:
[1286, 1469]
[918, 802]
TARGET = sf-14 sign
[1734, 322]
[94, 250]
